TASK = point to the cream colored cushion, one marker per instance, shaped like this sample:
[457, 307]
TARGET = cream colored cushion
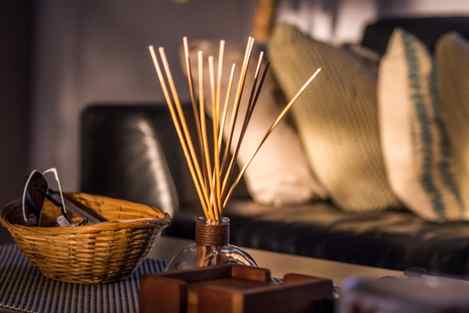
[280, 173]
[414, 137]
[337, 118]
[452, 59]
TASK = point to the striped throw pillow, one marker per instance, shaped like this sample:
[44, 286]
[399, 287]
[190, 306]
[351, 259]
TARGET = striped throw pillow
[452, 59]
[337, 118]
[415, 140]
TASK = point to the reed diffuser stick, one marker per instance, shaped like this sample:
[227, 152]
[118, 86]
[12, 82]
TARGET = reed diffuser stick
[218, 133]
[214, 184]
[269, 131]
[252, 100]
[203, 124]
[247, 116]
[225, 105]
[237, 100]
[182, 119]
[190, 86]
[189, 160]
[221, 53]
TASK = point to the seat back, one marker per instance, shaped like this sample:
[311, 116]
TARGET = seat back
[124, 152]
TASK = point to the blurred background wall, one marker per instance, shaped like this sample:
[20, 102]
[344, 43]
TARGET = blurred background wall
[96, 51]
[16, 26]
[341, 21]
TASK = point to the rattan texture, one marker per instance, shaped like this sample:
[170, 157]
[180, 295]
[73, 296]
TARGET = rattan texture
[95, 253]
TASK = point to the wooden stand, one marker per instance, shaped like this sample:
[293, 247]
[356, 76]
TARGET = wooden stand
[232, 289]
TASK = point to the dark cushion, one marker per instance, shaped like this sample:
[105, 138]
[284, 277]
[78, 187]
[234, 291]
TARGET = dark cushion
[394, 239]
[427, 29]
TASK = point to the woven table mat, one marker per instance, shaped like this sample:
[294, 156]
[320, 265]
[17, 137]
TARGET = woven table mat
[24, 289]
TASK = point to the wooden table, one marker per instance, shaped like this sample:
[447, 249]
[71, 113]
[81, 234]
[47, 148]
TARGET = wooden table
[280, 263]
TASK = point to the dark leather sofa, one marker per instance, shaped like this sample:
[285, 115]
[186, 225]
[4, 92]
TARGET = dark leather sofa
[394, 239]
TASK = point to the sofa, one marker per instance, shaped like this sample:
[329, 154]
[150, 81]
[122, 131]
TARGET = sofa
[394, 238]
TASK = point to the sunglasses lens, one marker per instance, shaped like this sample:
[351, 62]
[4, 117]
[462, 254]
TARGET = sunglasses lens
[34, 197]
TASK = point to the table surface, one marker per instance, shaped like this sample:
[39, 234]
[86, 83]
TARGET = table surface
[280, 263]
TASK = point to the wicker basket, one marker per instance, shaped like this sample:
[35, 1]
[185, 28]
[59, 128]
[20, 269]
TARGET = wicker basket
[95, 253]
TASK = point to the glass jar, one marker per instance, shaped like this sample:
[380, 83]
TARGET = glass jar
[212, 247]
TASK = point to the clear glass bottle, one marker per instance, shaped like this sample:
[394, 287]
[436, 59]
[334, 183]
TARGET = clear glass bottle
[212, 247]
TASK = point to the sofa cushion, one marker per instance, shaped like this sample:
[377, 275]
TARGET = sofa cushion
[452, 59]
[416, 148]
[337, 118]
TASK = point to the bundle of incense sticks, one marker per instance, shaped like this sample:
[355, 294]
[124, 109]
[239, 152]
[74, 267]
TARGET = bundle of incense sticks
[211, 164]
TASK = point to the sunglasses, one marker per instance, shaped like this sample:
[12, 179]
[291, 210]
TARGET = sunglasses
[36, 191]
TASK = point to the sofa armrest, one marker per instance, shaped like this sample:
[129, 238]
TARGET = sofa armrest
[122, 155]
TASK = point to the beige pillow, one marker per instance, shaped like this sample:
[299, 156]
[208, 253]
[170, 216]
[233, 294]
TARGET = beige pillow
[280, 173]
[414, 137]
[452, 59]
[337, 118]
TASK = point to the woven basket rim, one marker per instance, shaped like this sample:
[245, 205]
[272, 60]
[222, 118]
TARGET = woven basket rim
[92, 228]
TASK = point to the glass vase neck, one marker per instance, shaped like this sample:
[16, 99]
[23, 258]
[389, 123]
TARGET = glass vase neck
[211, 247]
[208, 233]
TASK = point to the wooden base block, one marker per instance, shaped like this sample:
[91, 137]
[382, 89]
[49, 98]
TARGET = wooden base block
[232, 289]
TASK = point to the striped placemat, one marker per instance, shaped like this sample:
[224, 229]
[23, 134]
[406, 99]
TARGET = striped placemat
[24, 289]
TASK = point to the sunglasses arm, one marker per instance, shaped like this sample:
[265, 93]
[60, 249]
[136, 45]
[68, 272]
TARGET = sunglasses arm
[57, 179]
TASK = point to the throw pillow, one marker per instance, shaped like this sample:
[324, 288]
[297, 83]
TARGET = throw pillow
[280, 174]
[414, 136]
[337, 118]
[452, 59]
